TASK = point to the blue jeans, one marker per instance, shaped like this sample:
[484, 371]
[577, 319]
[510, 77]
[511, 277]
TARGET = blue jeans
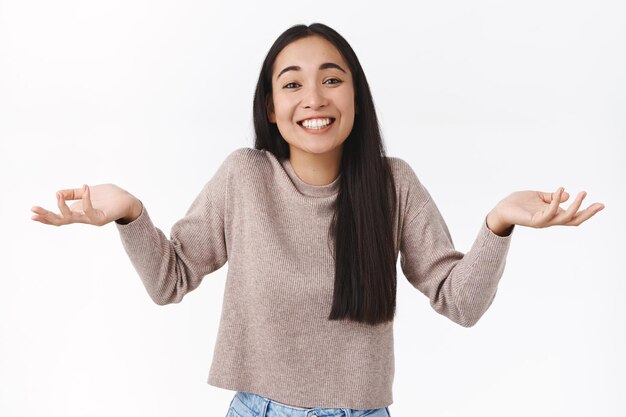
[247, 404]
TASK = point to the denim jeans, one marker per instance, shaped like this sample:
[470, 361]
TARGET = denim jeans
[247, 404]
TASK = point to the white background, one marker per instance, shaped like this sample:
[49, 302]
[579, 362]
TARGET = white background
[482, 98]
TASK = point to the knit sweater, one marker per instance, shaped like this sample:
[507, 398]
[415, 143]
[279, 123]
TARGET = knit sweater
[274, 338]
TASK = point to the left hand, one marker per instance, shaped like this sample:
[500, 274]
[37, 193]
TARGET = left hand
[538, 209]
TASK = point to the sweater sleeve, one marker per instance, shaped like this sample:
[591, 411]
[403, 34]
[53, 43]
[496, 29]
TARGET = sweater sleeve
[170, 268]
[459, 286]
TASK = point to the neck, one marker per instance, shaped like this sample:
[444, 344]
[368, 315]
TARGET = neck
[316, 169]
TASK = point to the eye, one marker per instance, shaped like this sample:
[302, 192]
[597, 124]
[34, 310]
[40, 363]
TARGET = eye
[337, 81]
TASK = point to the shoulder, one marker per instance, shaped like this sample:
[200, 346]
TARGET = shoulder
[248, 166]
[407, 183]
[403, 173]
[397, 163]
[242, 155]
[244, 159]
[246, 156]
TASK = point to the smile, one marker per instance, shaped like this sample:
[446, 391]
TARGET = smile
[317, 126]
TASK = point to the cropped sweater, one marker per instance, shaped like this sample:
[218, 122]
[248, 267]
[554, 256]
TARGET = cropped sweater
[274, 338]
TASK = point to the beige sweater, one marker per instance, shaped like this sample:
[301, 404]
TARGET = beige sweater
[274, 338]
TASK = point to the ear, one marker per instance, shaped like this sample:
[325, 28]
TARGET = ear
[269, 106]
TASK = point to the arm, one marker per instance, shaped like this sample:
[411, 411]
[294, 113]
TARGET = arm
[170, 268]
[459, 286]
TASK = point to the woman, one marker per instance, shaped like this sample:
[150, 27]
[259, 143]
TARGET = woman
[311, 222]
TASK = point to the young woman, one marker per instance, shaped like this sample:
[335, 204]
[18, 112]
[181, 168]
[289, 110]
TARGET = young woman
[311, 221]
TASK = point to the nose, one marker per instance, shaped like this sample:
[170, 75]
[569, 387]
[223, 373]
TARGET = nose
[314, 97]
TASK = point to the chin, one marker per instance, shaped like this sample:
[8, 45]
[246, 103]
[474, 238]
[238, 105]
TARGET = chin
[318, 149]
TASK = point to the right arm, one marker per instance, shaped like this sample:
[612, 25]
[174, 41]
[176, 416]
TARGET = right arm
[170, 268]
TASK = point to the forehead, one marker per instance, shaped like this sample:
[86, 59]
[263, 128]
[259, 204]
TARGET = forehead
[307, 53]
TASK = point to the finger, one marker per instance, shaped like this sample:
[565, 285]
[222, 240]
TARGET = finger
[584, 215]
[555, 199]
[87, 206]
[549, 197]
[38, 210]
[47, 217]
[571, 211]
[65, 210]
[71, 193]
[40, 219]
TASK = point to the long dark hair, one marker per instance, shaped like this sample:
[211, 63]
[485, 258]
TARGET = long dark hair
[362, 223]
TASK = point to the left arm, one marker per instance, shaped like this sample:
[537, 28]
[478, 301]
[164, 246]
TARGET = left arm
[460, 286]
[463, 286]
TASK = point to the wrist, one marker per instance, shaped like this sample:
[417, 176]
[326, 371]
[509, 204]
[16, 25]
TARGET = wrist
[497, 226]
[134, 211]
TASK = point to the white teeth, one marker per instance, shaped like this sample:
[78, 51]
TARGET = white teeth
[316, 123]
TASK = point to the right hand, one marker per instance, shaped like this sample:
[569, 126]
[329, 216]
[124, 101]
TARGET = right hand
[97, 205]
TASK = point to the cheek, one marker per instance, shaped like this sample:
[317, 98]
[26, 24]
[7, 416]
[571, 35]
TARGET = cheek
[347, 104]
[282, 110]
[348, 112]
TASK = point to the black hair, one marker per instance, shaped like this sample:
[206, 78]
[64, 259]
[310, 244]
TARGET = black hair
[362, 224]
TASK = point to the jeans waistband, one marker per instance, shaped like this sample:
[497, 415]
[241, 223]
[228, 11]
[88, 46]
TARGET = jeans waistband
[261, 407]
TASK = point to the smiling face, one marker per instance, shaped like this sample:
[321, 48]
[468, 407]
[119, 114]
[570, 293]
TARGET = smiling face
[311, 81]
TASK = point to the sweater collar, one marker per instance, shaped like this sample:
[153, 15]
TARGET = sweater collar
[310, 189]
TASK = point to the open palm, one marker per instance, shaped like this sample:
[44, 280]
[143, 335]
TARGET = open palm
[97, 205]
[541, 209]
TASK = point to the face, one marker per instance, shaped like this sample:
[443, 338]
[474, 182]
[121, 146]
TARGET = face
[311, 81]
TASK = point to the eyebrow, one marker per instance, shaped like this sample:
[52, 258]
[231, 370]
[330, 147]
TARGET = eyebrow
[325, 65]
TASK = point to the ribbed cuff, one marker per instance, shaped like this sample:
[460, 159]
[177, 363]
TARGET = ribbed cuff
[138, 227]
